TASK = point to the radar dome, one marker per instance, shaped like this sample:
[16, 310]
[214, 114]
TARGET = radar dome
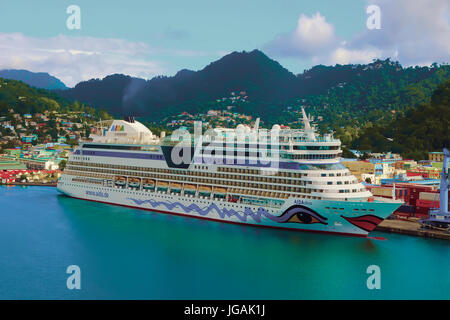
[276, 127]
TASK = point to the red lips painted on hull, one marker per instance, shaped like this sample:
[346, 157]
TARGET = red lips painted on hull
[367, 222]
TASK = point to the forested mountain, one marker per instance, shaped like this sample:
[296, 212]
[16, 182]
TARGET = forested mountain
[373, 92]
[35, 79]
[414, 133]
[262, 78]
[22, 99]
[341, 94]
[111, 92]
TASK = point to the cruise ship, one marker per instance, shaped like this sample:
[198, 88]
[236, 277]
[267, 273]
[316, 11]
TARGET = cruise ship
[278, 178]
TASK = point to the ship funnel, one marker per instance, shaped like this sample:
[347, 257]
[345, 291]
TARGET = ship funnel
[129, 119]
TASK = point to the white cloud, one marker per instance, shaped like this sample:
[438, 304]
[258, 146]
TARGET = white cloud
[73, 59]
[346, 56]
[412, 32]
[311, 35]
[417, 32]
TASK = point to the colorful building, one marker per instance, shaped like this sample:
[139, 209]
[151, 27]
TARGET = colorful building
[436, 156]
[424, 172]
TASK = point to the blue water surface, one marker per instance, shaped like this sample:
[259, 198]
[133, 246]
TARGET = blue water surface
[133, 254]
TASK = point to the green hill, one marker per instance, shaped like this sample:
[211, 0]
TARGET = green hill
[342, 95]
[414, 133]
[23, 99]
[374, 92]
[35, 79]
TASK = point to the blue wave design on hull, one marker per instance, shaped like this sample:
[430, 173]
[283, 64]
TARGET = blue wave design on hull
[224, 213]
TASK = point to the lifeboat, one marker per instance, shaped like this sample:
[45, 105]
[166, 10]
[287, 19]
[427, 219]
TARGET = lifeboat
[134, 182]
[120, 181]
[175, 187]
[162, 186]
[204, 191]
[148, 184]
[220, 192]
[190, 189]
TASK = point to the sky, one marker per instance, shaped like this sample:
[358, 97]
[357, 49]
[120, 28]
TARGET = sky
[150, 38]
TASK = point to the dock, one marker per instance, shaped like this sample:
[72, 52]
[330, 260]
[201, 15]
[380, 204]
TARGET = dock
[41, 184]
[411, 227]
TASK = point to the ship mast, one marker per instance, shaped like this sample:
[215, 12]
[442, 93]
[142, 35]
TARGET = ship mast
[256, 127]
[308, 129]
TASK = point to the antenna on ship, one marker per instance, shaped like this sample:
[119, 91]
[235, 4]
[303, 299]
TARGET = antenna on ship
[129, 119]
[308, 129]
[256, 127]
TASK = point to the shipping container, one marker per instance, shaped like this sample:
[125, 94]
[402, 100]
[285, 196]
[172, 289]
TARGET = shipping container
[427, 203]
[429, 196]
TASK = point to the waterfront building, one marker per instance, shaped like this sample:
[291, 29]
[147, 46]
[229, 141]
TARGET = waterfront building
[436, 156]
[424, 172]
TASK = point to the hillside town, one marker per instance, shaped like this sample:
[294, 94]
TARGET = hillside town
[210, 119]
[34, 147]
[222, 116]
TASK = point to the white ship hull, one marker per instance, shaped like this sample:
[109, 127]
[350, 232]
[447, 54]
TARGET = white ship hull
[327, 216]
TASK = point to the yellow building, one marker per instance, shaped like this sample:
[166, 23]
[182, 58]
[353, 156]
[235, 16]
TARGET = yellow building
[436, 156]
[358, 168]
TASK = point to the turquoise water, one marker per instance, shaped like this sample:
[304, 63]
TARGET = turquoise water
[132, 254]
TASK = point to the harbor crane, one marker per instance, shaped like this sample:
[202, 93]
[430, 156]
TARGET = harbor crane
[440, 217]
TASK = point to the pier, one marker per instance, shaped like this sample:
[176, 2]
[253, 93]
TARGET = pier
[411, 227]
[41, 184]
